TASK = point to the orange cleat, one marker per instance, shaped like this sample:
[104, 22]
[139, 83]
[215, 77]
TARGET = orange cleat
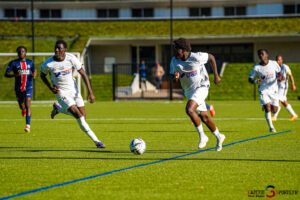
[294, 118]
[23, 113]
[274, 119]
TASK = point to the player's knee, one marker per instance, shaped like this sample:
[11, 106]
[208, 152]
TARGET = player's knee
[189, 110]
[204, 118]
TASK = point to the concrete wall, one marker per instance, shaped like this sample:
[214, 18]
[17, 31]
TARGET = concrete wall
[289, 50]
[122, 53]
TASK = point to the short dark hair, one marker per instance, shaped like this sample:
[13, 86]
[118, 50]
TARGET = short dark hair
[278, 56]
[61, 42]
[261, 50]
[21, 47]
[182, 43]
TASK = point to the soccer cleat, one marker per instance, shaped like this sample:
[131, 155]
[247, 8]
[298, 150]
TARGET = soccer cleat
[23, 112]
[27, 128]
[220, 140]
[100, 145]
[274, 119]
[203, 142]
[294, 118]
[212, 110]
[55, 110]
[272, 130]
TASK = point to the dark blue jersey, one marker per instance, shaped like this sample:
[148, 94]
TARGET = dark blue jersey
[23, 82]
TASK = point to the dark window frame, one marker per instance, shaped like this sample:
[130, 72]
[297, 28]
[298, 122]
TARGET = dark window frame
[50, 13]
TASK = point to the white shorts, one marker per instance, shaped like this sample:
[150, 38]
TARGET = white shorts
[282, 92]
[67, 99]
[199, 95]
[269, 96]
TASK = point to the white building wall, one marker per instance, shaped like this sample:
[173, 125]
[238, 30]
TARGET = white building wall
[217, 11]
[72, 13]
[269, 9]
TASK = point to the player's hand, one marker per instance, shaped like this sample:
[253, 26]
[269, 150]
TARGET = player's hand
[293, 87]
[19, 73]
[259, 81]
[176, 75]
[91, 98]
[55, 89]
[217, 80]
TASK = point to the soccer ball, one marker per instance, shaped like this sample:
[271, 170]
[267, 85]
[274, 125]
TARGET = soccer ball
[137, 146]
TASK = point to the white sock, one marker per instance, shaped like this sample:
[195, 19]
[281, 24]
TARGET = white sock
[85, 128]
[269, 119]
[216, 132]
[276, 114]
[200, 131]
[61, 110]
[290, 109]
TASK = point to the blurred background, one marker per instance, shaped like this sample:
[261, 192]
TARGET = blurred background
[114, 37]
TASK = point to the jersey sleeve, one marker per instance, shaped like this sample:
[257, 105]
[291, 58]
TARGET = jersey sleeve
[202, 57]
[9, 67]
[76, 63]
[277, 67]
[253, 73]
[44, 68]
[32, 66]
[288, 70]
[172, 67]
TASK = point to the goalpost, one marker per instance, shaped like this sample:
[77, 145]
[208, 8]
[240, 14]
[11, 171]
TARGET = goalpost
[39, 58]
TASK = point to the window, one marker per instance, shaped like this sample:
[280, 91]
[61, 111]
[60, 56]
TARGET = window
[50, 13]
[104, 13]
[195, 12]
[142, 12]
[291, 9]
[10, 13]
[232, 11]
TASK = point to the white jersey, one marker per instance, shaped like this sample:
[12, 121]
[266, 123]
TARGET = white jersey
[193, 73]
[61, 72]
[267, 73]
[286, 72]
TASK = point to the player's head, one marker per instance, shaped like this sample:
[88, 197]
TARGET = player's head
[21, 50]
[60, 49]
[263, 54]
[279, 60]
[181, 47]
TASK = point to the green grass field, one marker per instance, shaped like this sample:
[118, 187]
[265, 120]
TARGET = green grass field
[56, 151]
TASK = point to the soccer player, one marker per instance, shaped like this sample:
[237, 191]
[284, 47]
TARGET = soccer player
[60, 67]
[188, 67]
[266, 72]
[24, 72]
[283, 89]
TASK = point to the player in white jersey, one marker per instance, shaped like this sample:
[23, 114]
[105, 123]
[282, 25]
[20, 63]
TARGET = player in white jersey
[283, 87]
[60, 67]
[188, 67]
[266, 73]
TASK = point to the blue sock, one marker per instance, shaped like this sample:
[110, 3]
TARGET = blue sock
[207, 106]
[28, 120]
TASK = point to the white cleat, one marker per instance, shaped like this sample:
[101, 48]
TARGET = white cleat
[27, 128]
[220, 141]
[203, 142]
[272, 130]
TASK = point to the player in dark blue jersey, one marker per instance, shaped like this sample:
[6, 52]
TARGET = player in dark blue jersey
[24, 72]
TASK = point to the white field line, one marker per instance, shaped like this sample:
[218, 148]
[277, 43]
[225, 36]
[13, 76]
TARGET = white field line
[145, 119]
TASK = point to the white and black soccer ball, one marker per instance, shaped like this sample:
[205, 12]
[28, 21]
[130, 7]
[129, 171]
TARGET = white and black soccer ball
[137, 146]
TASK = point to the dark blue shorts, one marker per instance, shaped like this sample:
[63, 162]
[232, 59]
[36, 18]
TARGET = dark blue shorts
[22, 95]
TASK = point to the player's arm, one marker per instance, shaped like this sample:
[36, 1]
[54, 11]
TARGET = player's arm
[9, 72]
[293, 82]
[212, 62]
[53, 89]
[91, 96]
[33, 71]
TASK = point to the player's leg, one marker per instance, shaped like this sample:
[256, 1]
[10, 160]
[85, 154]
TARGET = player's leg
[21, 103]
[289, 108]
[82, 111]
[190, 109]
[84, 125]
[28, 113]
[267, 109]
[274, 118]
